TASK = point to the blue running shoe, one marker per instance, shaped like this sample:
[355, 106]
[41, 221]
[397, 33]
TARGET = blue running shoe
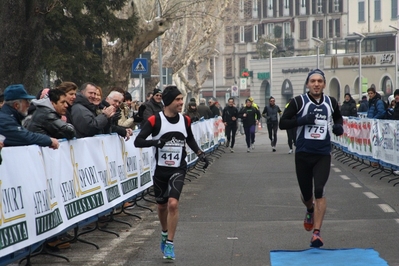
[169, 252]
[164, 236]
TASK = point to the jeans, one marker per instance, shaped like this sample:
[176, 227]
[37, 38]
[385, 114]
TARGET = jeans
[231, 130]
[250, 135]
[272, 128]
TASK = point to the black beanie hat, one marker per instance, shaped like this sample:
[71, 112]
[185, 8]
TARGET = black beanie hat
[396, 92]
[156, 90]
[169, 94]
[313, 72]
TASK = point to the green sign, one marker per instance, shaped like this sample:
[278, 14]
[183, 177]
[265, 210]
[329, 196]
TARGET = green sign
[364, 84]
[264, 75]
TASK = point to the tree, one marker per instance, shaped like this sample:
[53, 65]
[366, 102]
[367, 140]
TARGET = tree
[60, 36]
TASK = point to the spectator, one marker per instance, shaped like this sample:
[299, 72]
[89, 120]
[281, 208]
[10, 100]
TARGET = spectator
[376, 105]
[1, 100]
[14, 110]
[394, 112]
[348, 107]
[126, 119]
[153, 106]
[98, 97]
[47, 117]
[84, 113]
[114, 99]
[364, 105]
[192, 112]
[69, 88]
[214, 109]
[204, 110]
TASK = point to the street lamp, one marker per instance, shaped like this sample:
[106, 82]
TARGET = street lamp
[396, 56]
[360, 62]
[271, 47]
[319, 43]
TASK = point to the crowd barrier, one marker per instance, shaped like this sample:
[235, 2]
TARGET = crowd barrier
[373, 140]
[44, 192]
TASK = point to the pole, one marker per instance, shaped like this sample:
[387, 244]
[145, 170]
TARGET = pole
[271, 69]
[214, 77]
[318, 52]
[360, 70]
[396, 56]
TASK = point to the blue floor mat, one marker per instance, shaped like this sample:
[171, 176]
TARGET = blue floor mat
[327, 257]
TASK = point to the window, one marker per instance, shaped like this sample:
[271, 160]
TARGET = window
[287, 29]
[319, 7]
[242, 34]
[255, 33]
[317, 30]
[361, 10]
[338, 27]
[336, 5]
[394, 10]
[270, 5]
[241, 5]
[229, 67]
[286, 4]
[241, 63]
[377, 9]
[302, 30]
[270, 30]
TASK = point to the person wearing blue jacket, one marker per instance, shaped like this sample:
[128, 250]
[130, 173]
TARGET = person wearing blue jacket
[376, 105]
[16, 104]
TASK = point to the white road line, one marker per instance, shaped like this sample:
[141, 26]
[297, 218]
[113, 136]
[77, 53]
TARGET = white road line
[386, 208]
[336, 170]
[355, 185]
[370, 195]
[345, 177]
[397, 220]
[332, 164]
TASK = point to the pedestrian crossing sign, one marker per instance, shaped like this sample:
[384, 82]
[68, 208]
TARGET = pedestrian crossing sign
[140, 66]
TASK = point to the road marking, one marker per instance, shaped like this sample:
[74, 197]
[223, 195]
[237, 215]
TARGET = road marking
[397, 220]
[336, 170]
[355, 185]
[332, 164]
[233, 238]
[370, 195]
[344, 177]
[386, 208]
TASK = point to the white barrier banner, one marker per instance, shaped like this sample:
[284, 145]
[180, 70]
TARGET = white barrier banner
[44, 191]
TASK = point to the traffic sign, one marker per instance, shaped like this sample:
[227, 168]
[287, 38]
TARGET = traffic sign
[234, 91]
[140, 66]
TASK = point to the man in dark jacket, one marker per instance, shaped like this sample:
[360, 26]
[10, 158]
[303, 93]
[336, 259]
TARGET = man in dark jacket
[249, 116]
[85, 119]
[364, 105]
[16, 104]
[229, 116]
[395, 112]
[47, 117]
[153, 106]
[214, 109]
[271, 113]
[376, 105]
[204, 110]
[114, 99]
[348, 107]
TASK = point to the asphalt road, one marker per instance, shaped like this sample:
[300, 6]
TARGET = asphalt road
[245, 205]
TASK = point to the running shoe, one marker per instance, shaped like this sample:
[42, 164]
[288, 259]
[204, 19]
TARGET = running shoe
[308, 222]
[164, 236]
[316, 241]
[290, 152]
[169, 252]
[253, 146]
[248, 150]
[231, 150]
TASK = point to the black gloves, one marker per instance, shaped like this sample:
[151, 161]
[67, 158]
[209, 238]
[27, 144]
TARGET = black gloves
[337, 129]
[308, 119]
[202, 158]
[159, 143]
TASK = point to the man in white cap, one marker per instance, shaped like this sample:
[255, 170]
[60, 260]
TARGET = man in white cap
[312, 113]
[15, 109]
[170, 132]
